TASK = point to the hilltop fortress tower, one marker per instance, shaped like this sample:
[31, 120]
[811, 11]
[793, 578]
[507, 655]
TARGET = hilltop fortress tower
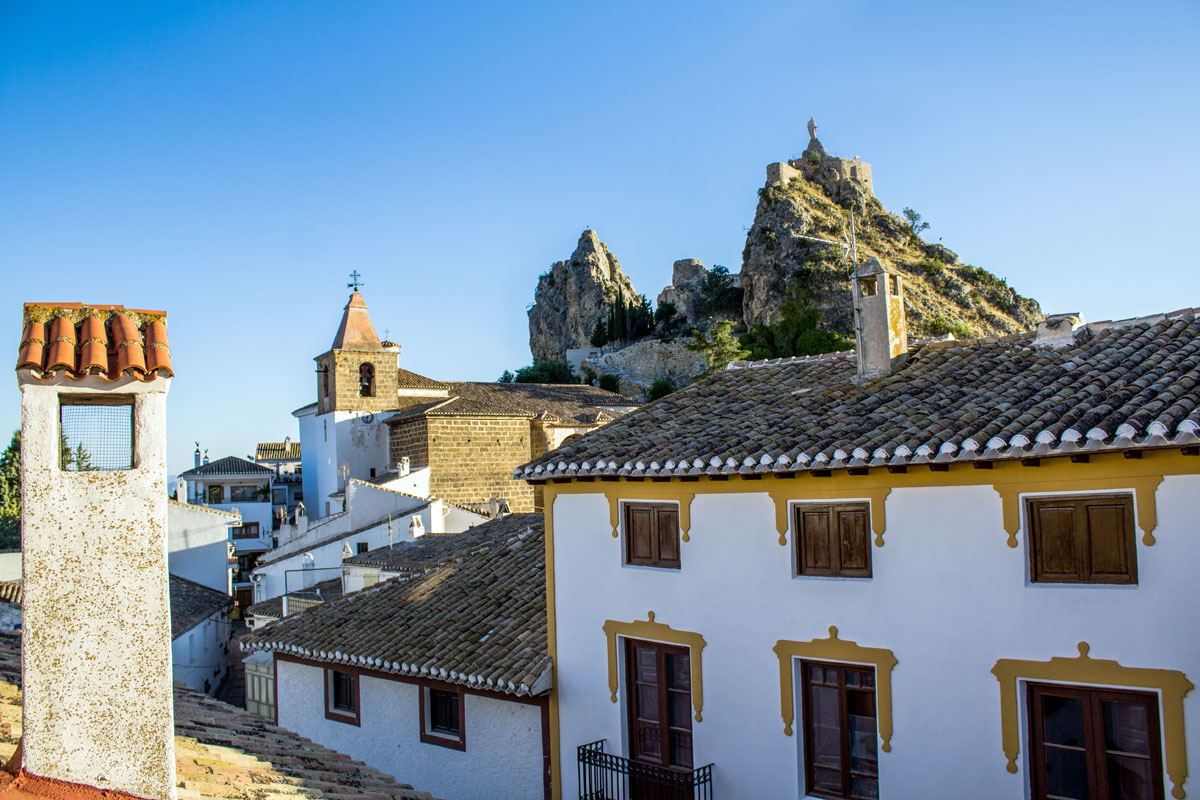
[841, 177]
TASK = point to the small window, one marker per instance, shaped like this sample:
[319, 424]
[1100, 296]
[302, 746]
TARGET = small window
[279, 497]
[442, 717]
[247, 494]
[867, 287]
[1082, 539]
[1094, 742]
[362, 547]
[341, 696]
[833, 539]
[248, 530]
[325, 383]
[216, 494]
[894, 283]
[841, 757]
[366, 380]
[95, 433]
[652, 534]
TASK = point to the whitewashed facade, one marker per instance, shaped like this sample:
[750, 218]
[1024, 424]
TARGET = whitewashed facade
[198, 544]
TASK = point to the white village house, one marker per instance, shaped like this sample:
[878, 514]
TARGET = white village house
[200, 544]
[87, 685]
[957, 570]
[438, 670]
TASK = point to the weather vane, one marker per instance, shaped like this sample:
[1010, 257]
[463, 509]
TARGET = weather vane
[354, 281]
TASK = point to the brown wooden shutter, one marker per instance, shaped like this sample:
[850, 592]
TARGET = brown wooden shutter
[1055, 552]
[1087, 539]
[667, 533]
[639, 534]
[854, 541]
[1110, 546]
[816, 552]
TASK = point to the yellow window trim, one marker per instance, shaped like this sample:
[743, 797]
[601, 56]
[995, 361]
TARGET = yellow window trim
[843, 651]
[656, 632]
[1171, 684]
[1143, 488]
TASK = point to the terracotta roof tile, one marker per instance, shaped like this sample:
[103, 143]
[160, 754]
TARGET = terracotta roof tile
[192, 603]
[571, 404]
[411, 380]
[276, 451]
[79, 340]
[476, 618]
[1116, 385]
[356, 331]
[225, 753]
[229, 465]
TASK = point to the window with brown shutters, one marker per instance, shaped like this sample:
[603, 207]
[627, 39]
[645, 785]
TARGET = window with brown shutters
[833, 539]
[652, 534]
[1082, 539]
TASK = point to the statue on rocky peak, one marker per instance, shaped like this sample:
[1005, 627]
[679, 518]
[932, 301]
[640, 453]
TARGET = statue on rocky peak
[812, 128]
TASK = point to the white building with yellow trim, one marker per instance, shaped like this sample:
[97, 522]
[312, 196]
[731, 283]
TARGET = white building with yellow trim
[960, 570]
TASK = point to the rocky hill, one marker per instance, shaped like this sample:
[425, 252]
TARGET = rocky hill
[572, 296]
[804, 200]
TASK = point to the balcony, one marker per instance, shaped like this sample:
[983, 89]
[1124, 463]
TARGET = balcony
[603, 776]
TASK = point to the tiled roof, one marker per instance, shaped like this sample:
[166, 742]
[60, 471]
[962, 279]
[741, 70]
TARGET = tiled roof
[225, 753]
[276, 451]
[305, 543]
[110, 341]
[420, 553]
[411, 380]
[1116, 385]
[193, 507]
[271, 607]
[477, 619]
[12, 592]
[323, 591]
[567, 403]
[229, 465]
[356, 331]
[192, 603]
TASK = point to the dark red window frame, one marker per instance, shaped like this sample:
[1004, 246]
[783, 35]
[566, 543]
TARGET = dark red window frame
[434, 702]
[346, 681]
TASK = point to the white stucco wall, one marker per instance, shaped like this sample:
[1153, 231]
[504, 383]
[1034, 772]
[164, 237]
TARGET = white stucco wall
[94, 544]
[198, 656]
[503, 756]
[10, 566]
[197, 545]
[948, 597]
[338, 438]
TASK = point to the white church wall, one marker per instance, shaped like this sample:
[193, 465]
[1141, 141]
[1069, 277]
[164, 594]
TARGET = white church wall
[947, 596]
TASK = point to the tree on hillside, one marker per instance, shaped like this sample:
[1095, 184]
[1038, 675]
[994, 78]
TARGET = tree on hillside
[506, 377]
[915, 225]
[600, 333]
[543, 370]
[718, 345]
[794, 333]
[10, 495]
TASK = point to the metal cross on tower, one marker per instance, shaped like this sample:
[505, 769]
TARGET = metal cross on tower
[354, 281]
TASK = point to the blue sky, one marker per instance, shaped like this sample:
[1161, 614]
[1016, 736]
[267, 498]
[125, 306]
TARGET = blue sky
[231, 162]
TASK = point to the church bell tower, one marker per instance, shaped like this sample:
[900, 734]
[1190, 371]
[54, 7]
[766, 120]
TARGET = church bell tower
[357, 373]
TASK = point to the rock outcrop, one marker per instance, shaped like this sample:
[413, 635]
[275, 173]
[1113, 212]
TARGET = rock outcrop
[942, 296]
[683, 293]
[572, 296]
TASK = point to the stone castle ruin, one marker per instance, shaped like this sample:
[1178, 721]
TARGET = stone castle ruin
[843, 178]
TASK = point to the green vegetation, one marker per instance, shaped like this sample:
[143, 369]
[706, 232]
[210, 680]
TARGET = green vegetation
[719, 293]
[660, 388]
[610, 383]
[627, 320]
[10, 495]
[718, 345]
[543, 370]
[600, 334]
[940, 326]
[915, 225]
[795, 333]
[931, 267]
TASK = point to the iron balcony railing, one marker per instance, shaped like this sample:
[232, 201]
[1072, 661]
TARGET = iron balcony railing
[603, 776]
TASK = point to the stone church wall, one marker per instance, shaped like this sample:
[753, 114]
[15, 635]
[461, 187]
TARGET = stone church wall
[409, 438]
[472, 459]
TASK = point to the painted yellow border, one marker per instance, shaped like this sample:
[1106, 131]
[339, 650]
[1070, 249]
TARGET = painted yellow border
[844, 651]
[656, 632]
[1144, 488]
[684, 499]
[784, 500]
[1084, 669]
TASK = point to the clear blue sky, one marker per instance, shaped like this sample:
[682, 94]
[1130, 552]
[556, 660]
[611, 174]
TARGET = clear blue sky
[230, 162]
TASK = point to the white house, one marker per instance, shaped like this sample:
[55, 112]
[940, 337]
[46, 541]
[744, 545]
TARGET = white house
[199, 634]
[968, 576]
[440, 673]
[374, 516]
[198, 544]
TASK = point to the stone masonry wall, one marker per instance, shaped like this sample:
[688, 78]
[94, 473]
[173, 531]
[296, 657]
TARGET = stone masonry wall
[409, 438]
[344, 380]
[472, 459]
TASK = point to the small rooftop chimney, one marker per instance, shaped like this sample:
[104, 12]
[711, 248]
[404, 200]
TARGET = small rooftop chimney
[196, 455]
[1058, 330]
[180, 490]
[879, 319]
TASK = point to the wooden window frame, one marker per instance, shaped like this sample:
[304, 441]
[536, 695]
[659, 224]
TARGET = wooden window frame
[1094, 747]
[1083, 574]
[656, 558]
[343, 715]
[843, 724]
[428, 735]
[663, 650]
[833, 509]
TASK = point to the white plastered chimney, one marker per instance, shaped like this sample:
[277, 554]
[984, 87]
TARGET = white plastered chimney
[879, 319]
[96, 640]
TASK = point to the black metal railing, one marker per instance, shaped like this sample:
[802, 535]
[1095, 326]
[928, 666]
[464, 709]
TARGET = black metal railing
[603, 776]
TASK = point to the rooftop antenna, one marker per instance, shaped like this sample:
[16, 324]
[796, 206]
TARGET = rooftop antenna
[354, 281]
[389, 531]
